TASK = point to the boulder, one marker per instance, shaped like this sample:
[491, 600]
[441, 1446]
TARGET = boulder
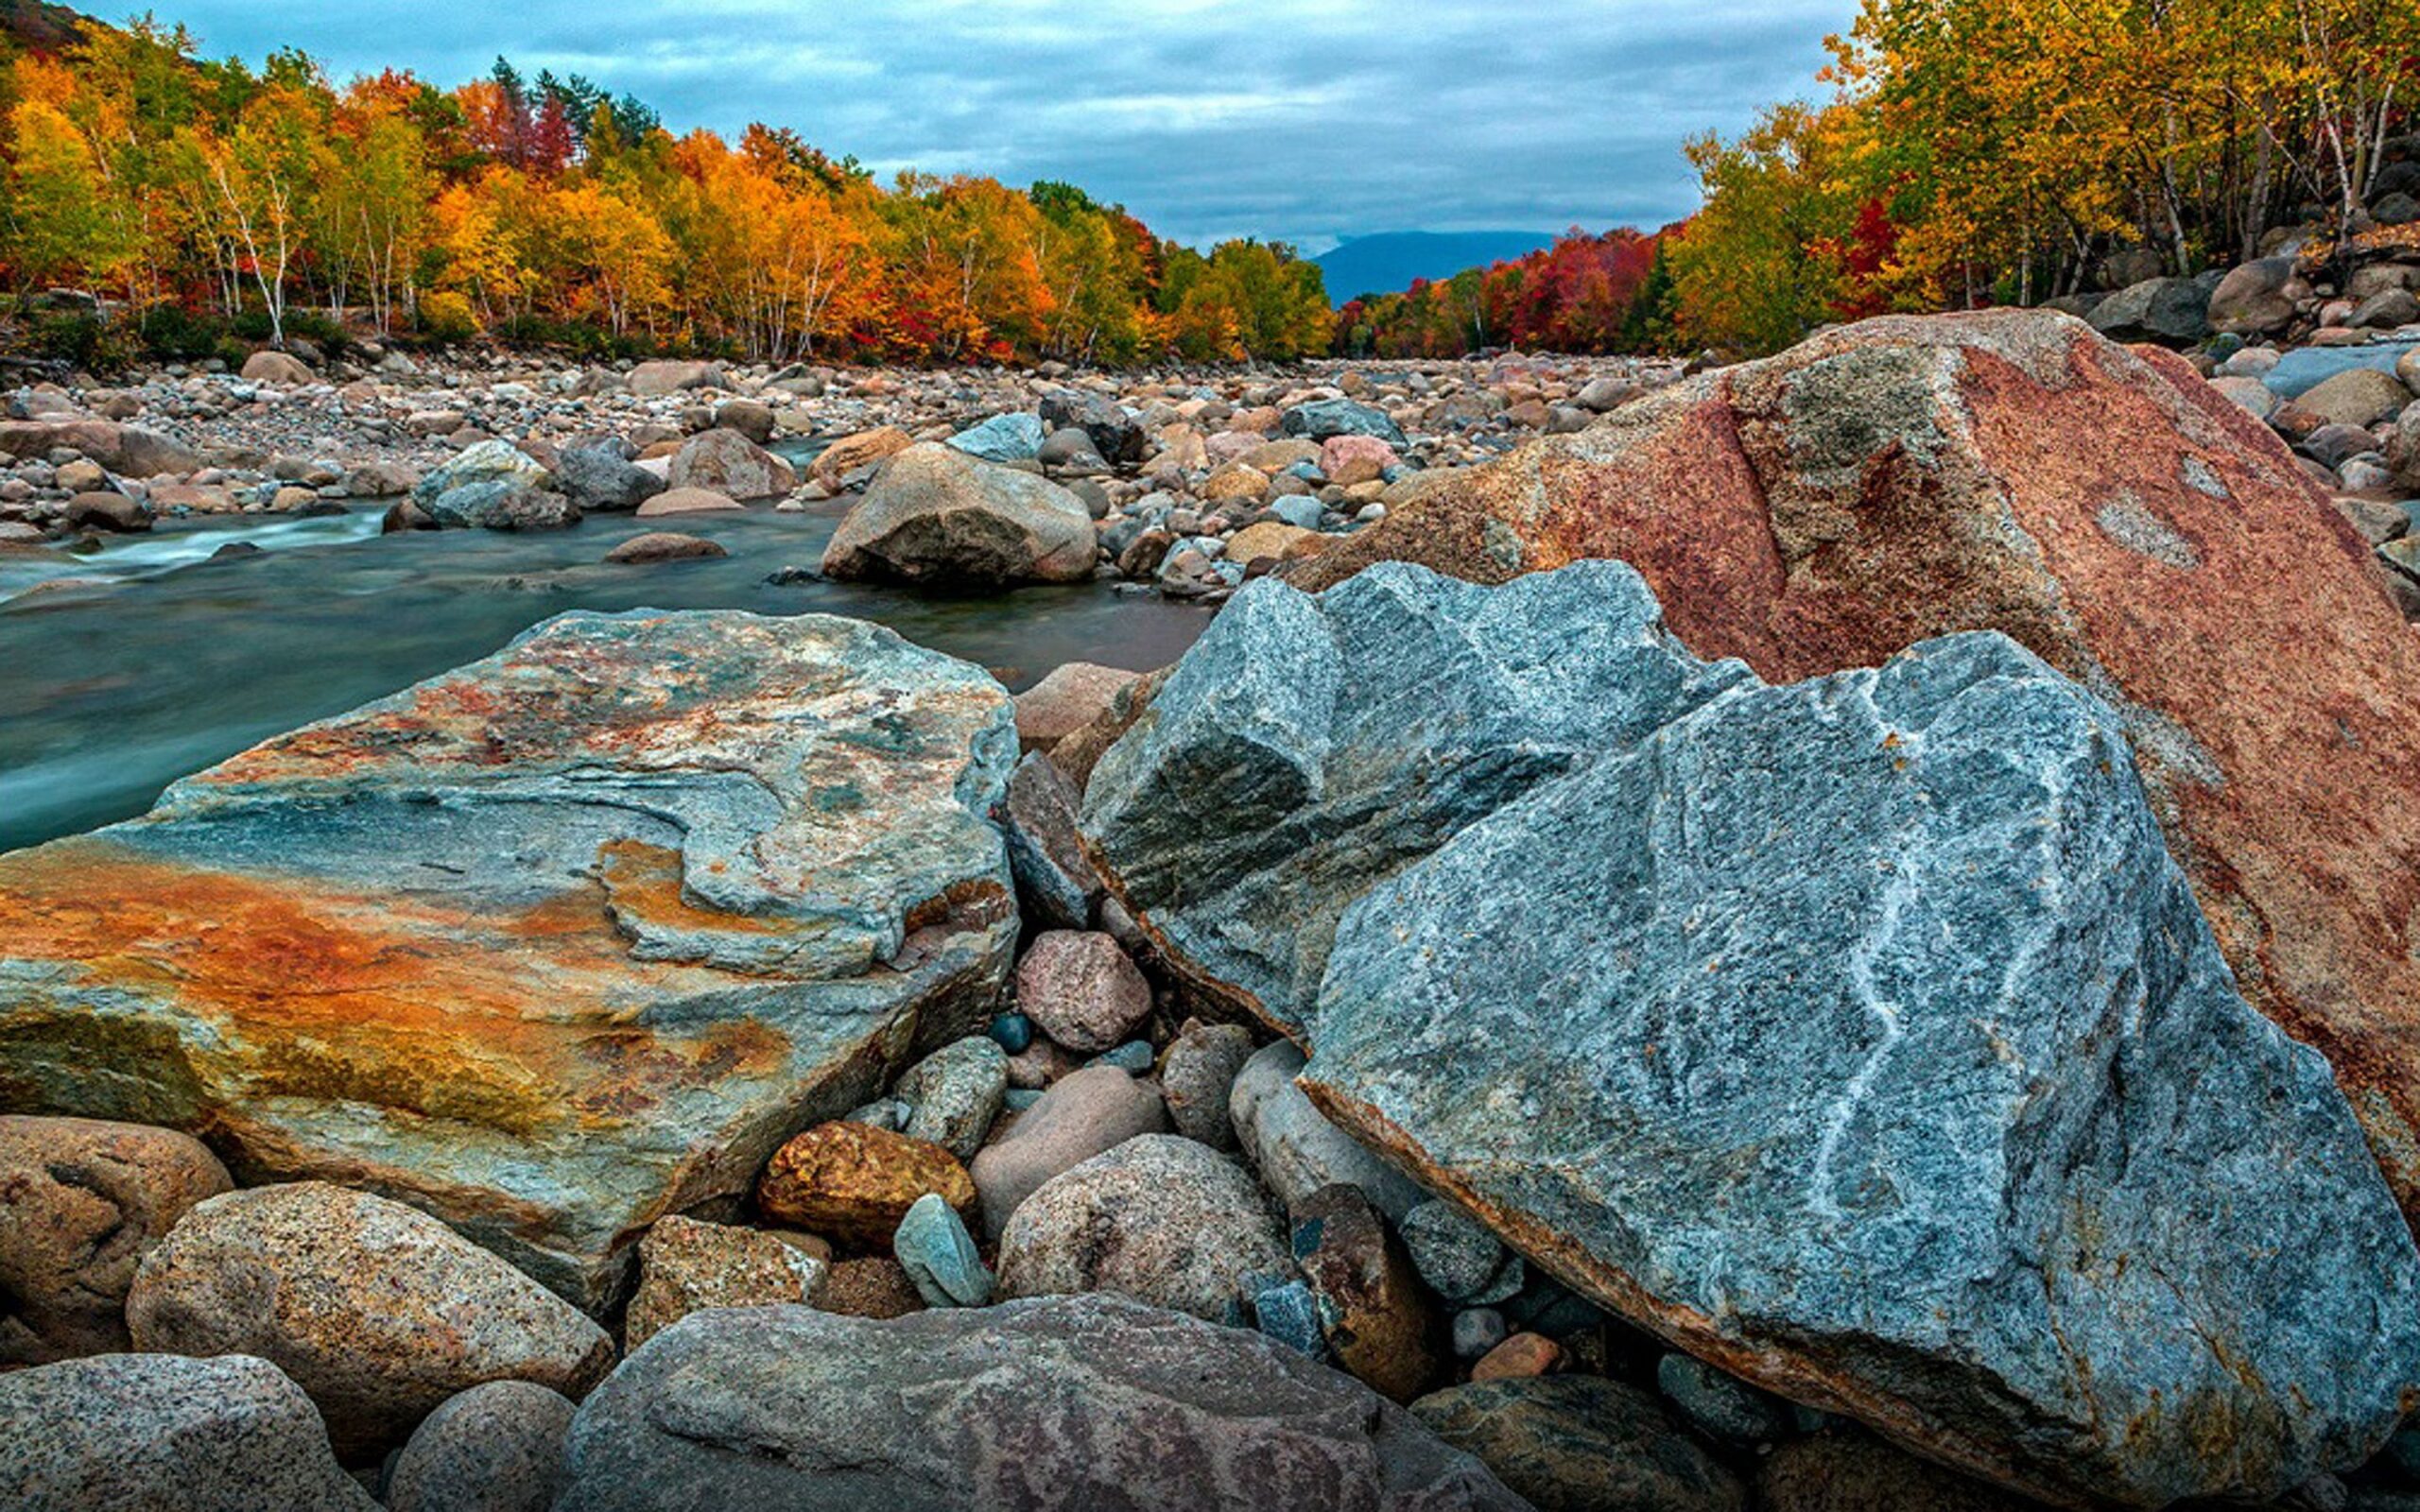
[1909, 934]
[1057, 887]
[159, 1432]
[685, 1264]
[267, 367]
[496, 486]
[2386, 310]
[1607, 393]
[1002, 438]
[143, 453]
[953, 1095]
[2257, 398]
[107, 511]
[1083, 1114]
[2357, 396]
[855, 1182]
[933, 1245]
[494, 1447]
[836, 462]
[2258, 298]
[600, 480]
[688, 501]
[938, 516]
[654, 380]
[1092, 1401]
[2170, 310]
[664, 545]
[1079, 987]
[565, 939]
[1911, 476]
[1323, 418]
[1376, 1318]
[82, 1202]
[725, 460]
[1159, 1218]
[1071, 697]
[1273, 540]
[1585, 1444]
[1293, 1146]
[376, 1310]
[1114, 434]
[1197, 1079]
[750, 418]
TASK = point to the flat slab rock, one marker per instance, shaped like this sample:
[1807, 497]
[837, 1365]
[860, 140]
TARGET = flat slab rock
[1911, 476]
[549, 945]
[1858, 1035]
[1077, 1401]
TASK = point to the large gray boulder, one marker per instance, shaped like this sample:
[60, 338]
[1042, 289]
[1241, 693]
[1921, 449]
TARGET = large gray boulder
[493, 486]
[1858, 1035]
[549, 945]
[1306, 748]
[2171, 310]
[1321, 418]
[161, 1433]
[600, 479]
[938, 516]
[1077, 1402]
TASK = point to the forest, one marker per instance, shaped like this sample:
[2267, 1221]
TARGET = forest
[213, 203]
[1974, 152]
[1966, 153]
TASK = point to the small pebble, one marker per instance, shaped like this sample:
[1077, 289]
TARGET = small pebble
[1289, 1314]
[1460, 1258]
[1477, 1330]
[1017, 1099]
[1134, 1058]
[1523, 1354]
[1012, 1032]
[938, 1255]
[883, 1112]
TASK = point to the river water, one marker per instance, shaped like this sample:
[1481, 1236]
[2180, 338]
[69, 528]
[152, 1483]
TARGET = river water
[149, 658]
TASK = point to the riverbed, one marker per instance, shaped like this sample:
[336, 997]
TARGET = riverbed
[154, 656]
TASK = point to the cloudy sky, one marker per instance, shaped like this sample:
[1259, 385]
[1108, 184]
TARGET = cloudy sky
[1298, 119]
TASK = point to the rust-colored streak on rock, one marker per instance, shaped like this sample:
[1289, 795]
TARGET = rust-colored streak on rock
[1909, 477]
[349, 996]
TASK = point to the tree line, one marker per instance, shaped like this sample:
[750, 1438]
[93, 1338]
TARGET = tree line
[1973, 152]
[212, 200]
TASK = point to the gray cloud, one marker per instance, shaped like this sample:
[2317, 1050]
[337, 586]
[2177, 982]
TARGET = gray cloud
[1304, 121]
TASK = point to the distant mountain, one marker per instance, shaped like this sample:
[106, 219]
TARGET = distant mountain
[1388, 262]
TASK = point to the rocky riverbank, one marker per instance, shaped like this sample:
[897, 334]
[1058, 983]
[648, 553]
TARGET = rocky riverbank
[1840, 935]
[1175, 480]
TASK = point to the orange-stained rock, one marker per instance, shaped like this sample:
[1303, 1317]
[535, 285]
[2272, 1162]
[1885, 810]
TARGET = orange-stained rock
[551, 945]
[850, 453]
[855, 1181]
[1909, 477]
[1523, 1354]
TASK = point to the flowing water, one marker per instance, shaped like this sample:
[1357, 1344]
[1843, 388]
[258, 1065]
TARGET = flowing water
[149, 658]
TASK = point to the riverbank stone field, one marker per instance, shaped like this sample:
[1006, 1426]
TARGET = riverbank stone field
[1826, 931]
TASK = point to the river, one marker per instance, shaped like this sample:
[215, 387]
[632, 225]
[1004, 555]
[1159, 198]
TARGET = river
[149, 658]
